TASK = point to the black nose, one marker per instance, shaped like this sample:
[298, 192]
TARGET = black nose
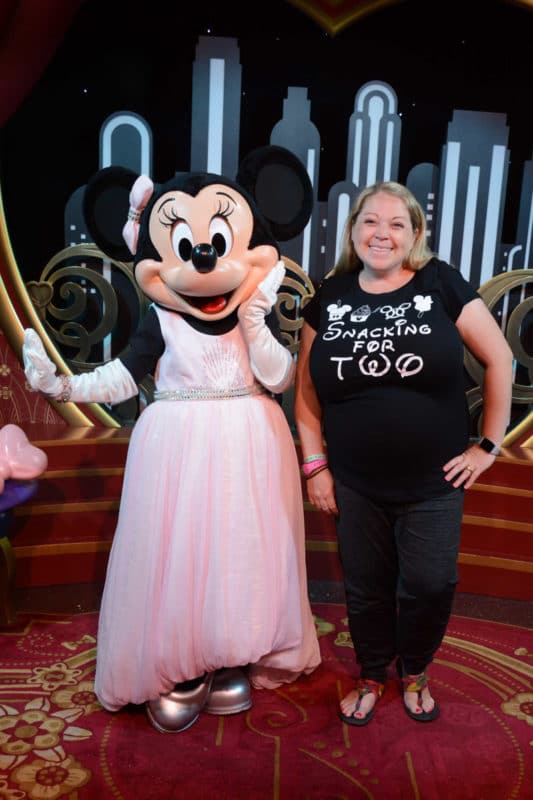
[204, 257]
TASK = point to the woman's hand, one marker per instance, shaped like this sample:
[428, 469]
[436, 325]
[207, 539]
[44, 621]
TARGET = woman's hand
[466, 468]
[321, 492]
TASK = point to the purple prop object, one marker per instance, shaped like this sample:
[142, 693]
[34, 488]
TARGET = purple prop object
[16, 492]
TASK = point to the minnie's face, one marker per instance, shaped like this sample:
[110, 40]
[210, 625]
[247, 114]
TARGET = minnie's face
[206, 267]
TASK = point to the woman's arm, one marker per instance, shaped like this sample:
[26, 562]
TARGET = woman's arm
[307, 410]
[481, 335]
[308, 418]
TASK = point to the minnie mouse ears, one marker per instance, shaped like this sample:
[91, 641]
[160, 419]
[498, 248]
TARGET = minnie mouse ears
[281, 187]
[274, 178]
[106, 203]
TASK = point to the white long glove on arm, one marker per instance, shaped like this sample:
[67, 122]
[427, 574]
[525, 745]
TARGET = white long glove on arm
[111, 383]
[272, 363]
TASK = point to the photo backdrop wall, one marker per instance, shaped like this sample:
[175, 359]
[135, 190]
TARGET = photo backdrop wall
[433, 95]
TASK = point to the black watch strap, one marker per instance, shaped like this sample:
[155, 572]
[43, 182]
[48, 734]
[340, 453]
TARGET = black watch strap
[488, 446]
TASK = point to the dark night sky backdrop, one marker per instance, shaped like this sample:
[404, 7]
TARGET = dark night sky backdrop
[138, 56]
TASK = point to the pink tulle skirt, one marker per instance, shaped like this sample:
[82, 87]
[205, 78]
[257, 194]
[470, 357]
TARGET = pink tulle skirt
[207, 567]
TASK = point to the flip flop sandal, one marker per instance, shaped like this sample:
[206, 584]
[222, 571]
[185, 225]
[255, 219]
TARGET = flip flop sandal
[364, 687]
[415, 683]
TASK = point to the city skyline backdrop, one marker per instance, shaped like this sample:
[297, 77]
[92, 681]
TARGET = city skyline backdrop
[463, 196]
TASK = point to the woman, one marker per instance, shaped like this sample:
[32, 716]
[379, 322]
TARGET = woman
[380, 380]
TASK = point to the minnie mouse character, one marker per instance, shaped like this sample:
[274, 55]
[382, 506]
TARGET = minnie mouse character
[206, 589]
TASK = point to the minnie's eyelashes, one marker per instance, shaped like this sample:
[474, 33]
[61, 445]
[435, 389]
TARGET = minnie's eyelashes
[224, 211]
[171, 215]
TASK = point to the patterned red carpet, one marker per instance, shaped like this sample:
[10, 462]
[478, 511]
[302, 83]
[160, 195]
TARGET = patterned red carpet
[57, 742]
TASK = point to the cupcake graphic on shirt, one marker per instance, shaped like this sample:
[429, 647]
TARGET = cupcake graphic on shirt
[360, 314]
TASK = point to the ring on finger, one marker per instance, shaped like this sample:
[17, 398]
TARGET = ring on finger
[469, 468]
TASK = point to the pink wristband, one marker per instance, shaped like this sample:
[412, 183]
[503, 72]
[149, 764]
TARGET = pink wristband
[312, 466]
[316, 471]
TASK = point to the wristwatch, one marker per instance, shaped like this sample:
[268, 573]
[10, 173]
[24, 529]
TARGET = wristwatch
[488, 446]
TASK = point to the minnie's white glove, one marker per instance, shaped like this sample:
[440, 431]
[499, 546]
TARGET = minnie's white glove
[110, 383]
[272, 363]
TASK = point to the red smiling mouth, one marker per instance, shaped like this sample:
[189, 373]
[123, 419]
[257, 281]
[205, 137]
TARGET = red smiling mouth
[209, 305]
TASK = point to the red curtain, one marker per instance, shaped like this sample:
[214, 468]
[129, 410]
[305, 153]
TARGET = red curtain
[30, 31]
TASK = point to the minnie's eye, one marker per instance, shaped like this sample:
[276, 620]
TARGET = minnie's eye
[182, 241]
[221, 236]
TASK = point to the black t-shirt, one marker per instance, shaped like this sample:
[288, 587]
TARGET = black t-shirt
[388, 371]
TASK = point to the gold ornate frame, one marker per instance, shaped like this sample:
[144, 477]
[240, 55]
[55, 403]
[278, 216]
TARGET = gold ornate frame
[13, 328]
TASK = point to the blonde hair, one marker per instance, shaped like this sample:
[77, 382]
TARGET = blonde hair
[420, 253]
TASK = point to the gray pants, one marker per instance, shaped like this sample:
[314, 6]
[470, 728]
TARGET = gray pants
[399, 562]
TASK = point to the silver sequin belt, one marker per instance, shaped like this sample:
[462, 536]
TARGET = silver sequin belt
[209, 394]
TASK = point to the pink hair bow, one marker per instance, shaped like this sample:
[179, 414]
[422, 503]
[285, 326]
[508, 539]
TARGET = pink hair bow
[140, 194]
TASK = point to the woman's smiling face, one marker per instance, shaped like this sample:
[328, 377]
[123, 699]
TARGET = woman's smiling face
[383, 234]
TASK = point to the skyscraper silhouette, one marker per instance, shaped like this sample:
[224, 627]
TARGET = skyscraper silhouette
[472, 193]
[216, 106]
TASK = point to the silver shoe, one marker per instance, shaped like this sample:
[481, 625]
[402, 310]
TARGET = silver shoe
[178, 710]
[230, 692]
